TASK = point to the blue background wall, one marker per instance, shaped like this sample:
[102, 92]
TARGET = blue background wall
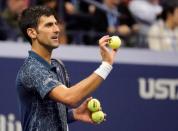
[119, 94]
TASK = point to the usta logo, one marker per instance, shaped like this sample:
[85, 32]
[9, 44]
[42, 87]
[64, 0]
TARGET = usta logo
[159, 89]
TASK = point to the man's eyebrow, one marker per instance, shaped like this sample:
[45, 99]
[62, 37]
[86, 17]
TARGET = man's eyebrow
[51, 23]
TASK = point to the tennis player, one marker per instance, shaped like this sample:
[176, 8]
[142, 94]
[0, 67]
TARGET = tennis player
[43, 83]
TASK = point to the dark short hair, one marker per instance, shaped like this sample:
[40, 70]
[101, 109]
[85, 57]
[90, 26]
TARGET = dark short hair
[30, 18]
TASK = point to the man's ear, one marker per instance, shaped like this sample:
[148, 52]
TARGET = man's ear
[31, 33]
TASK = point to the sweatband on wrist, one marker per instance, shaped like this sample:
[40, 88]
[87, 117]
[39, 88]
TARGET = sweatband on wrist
[104, 70]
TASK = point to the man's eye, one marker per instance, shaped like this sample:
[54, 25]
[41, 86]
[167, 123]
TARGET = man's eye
[49, 25]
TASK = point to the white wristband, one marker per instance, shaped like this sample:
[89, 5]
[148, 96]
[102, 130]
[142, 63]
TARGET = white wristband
[104, 70]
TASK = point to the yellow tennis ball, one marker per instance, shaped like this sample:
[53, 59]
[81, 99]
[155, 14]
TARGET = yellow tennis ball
[94, 105]
[114, 42]
[97, 117]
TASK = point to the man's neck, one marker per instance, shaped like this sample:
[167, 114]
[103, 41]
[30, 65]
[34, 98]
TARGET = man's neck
[43, 52]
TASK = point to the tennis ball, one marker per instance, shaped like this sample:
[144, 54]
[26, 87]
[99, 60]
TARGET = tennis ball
[114, 42]
[94, 105]
[97, 117]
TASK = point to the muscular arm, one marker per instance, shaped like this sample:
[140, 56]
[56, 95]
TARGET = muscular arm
[74, 94]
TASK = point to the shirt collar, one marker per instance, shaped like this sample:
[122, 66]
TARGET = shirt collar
[40, 59]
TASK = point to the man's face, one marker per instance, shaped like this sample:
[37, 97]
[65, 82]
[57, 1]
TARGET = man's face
[48, 32]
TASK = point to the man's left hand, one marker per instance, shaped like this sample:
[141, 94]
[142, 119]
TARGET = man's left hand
[82, 113]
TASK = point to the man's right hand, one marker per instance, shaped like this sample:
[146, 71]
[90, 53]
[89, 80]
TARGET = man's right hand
[107, 55]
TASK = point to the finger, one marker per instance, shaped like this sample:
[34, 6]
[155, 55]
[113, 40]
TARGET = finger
[104, 39]
[104, 43]
[113, 53]
[103, 47]
[90, 121]
[87, 100]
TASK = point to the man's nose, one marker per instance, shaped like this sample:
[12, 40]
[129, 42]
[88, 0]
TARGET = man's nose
[56, 28]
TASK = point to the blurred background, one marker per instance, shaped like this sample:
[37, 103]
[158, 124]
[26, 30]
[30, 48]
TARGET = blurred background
[140, 94]
[148, 24]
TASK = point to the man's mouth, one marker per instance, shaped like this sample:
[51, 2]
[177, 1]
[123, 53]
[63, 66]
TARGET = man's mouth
[54, 37]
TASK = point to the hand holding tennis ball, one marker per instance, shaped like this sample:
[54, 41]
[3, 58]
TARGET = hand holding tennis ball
[94, 105]
[114, 42]
[98, 117]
